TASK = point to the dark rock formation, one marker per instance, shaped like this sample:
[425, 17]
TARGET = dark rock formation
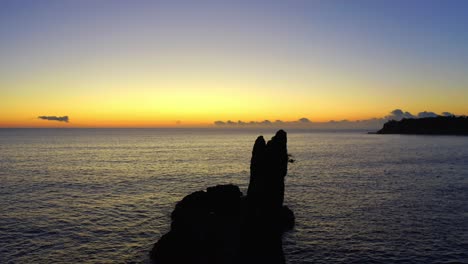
[220, 225]
[268, 167]
[441, 125]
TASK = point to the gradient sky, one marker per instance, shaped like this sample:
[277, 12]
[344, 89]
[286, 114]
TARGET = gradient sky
[152, 63]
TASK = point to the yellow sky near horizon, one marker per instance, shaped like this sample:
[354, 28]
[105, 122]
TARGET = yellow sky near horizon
[145, 99]
[152, 102]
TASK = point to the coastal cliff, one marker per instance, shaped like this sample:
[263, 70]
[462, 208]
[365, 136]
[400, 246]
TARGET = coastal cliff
[441, 125]
[221, 225]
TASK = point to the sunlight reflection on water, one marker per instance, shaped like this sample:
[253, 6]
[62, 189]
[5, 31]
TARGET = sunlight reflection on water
[105, 195]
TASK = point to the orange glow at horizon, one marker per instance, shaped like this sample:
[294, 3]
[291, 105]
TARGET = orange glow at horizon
[202, 97]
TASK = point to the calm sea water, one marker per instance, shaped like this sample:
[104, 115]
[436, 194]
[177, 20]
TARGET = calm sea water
[105, 195]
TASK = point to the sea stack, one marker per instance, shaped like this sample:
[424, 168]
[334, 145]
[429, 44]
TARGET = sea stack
[220, 225]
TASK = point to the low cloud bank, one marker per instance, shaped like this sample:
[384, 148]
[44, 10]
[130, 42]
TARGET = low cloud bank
[373, 123]
[398, 114]
[55, 118]
[262, 123]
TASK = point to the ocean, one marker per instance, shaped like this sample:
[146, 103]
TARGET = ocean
[105, 195]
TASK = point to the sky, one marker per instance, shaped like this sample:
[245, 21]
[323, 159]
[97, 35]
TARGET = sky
[191, 63]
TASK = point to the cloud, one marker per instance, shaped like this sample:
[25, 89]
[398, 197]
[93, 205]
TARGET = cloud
[242, 123]
[265, 122]
[427, 114]
[55, 118]
[305, 123]
[398, 114]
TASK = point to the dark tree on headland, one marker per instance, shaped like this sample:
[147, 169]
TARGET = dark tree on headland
[441, 125]
[220, 225]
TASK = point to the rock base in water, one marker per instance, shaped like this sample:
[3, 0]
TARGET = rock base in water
[220, 225]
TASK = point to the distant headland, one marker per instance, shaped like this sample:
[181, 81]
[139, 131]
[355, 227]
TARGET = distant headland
[441, 125]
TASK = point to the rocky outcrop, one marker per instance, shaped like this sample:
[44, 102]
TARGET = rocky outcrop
[268, 167]
[220, 225]
[441, 125]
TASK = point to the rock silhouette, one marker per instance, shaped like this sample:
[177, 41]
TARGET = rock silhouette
[441, 125]
[220, 225]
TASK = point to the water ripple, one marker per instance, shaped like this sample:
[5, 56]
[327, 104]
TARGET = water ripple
[105, 196]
